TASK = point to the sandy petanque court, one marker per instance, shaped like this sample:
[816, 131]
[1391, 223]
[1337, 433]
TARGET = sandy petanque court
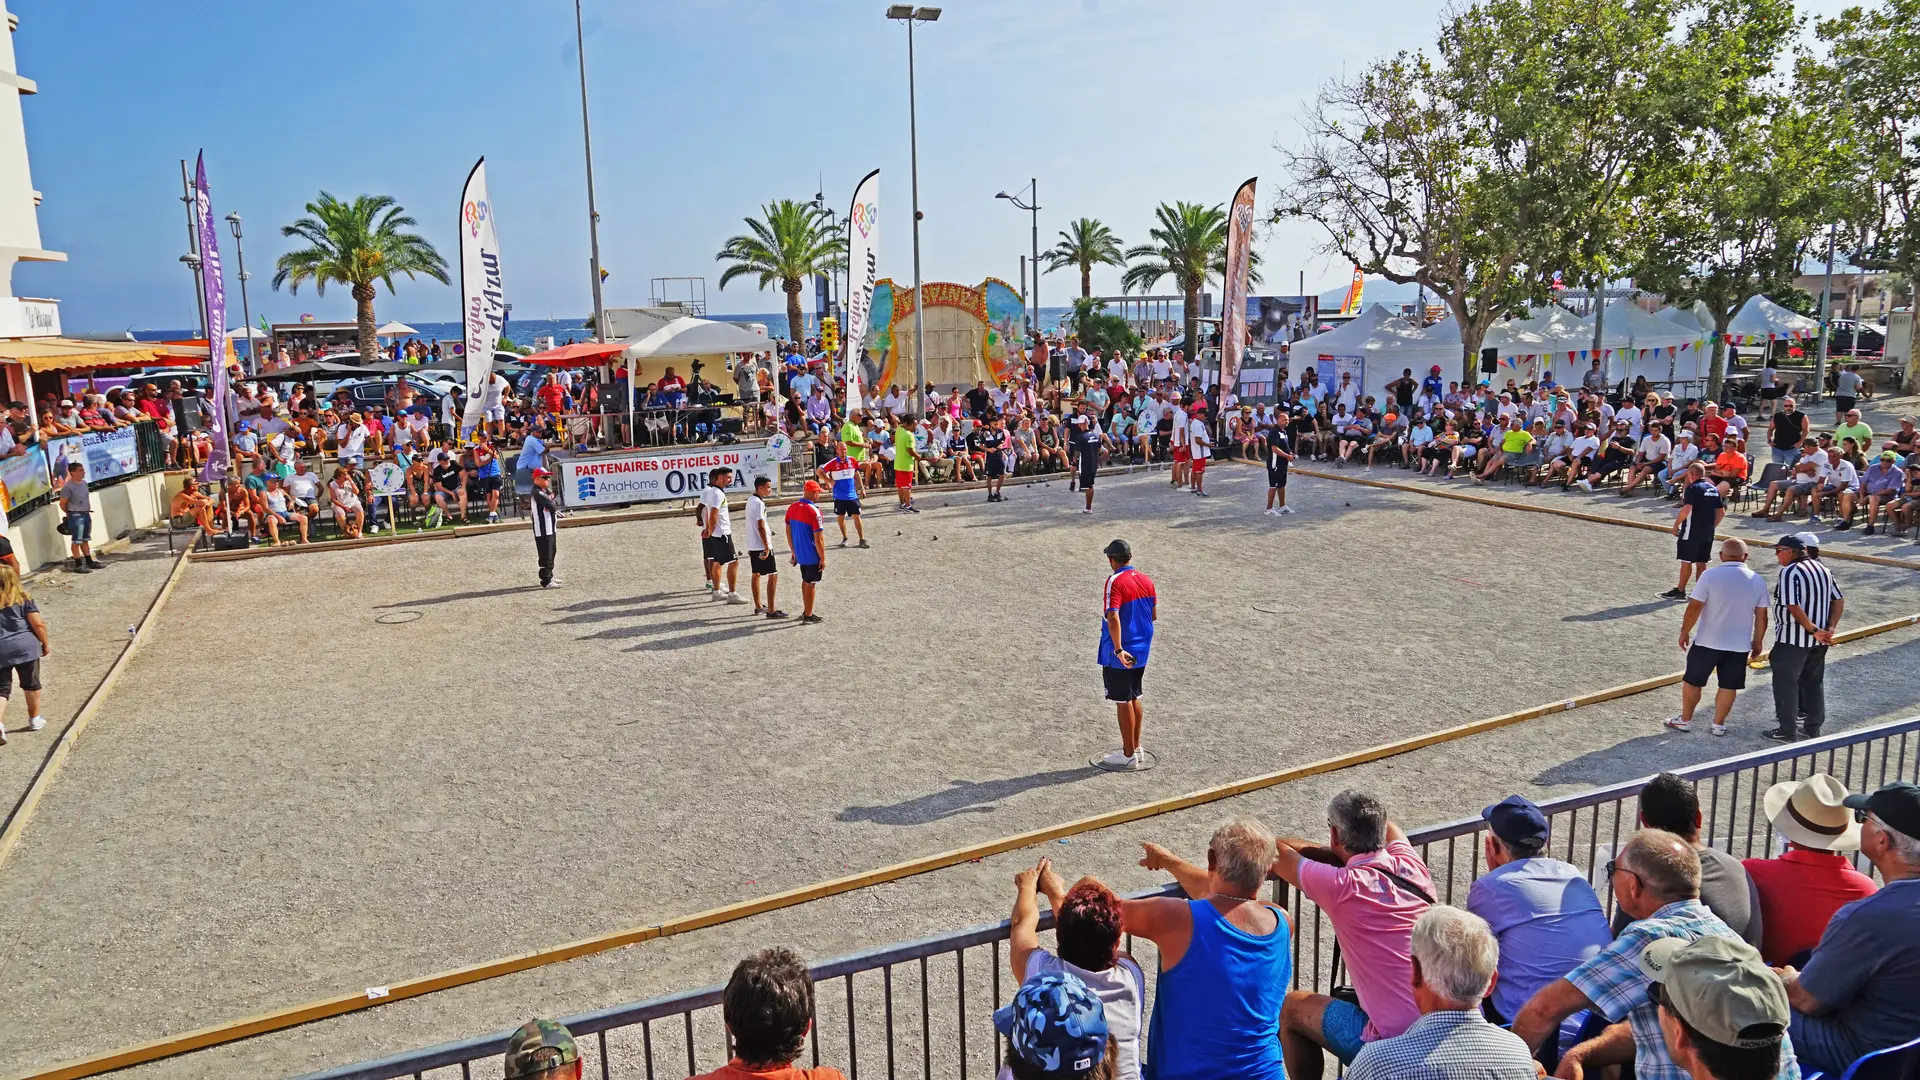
[338, 770]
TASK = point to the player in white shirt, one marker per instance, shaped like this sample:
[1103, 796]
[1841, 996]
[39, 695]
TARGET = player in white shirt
[716, 537]
[1181, 456]
[760, 560]
[1200, 445]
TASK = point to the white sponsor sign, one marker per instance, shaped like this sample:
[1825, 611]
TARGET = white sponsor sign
[863, 267]
[678, 472]
[482, 301]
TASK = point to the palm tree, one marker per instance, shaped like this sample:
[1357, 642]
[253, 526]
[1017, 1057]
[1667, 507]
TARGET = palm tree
[1086, 243]
[791, 242]
[1189, 245]
[356, 244]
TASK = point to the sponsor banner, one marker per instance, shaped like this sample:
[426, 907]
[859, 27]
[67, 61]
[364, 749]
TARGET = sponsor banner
[678, 472]
[213, 287]
[1331, 368]
[863, 254]
[1233, 328]
[23, 478]
[106, 454]
[483, 305]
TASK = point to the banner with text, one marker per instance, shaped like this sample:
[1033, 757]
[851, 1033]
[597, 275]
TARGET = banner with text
[652, 475]
[483, 303]
[23, 478]
[1233, 325]
[106, 454]
[213, 286]
[863, 264]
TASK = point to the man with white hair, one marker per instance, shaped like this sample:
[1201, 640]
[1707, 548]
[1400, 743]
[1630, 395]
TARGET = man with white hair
[1455, 959]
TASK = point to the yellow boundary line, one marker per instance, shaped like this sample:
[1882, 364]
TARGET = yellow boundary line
[342, 1004]
[1579, 515]
[63, 749]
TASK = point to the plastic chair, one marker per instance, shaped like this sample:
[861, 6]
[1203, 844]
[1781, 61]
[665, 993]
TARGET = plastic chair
[1892, 1063]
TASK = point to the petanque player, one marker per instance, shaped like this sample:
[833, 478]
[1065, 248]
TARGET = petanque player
[1728, 611]
[760, 560]
[1701, 511]
[807, 547]
[1130, 608]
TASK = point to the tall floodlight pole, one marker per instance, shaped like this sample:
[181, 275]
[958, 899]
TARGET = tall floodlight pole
[1826, 287]
[192, 257]
[246, 311]
[593, 212]
[909, 14]
[1033, 192]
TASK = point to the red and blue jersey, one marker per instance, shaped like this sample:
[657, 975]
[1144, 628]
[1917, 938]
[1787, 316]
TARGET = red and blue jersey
[841, 471]
[803, 532]
[1130, 593]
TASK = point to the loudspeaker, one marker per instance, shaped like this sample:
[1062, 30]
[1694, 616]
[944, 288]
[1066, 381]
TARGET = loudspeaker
[237, 541]
[1489, 361]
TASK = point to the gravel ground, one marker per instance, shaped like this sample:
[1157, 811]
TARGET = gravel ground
[513, 768]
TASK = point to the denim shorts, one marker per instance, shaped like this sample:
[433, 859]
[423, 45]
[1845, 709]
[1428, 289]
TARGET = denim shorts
[79, 527]
[1341, 1028]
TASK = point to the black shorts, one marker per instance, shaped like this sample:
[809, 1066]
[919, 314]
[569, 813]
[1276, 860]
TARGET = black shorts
[1695, 551]
[811, 571]
[717, 548]
[28, 672]
[848, 507]
[762, 563]
[1123, 684]
[1731, 666]
[1089, 468]
[484, 484]
[996, 464]
[1277, 478]
[1772, 393]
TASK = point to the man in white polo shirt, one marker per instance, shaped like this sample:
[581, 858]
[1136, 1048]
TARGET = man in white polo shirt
[1729, 610]
[1200, 446]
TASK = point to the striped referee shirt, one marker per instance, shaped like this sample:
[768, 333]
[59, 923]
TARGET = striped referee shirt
[1805, 584]
[545, 514]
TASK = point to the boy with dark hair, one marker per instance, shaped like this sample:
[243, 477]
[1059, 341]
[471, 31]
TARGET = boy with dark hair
[768, 1007]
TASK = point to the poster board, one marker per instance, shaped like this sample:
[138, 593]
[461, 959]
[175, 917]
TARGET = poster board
[672, 472]
[105, 454]
[1332, 367]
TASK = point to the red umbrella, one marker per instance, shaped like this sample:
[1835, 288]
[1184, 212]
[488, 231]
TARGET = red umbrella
[585, 354]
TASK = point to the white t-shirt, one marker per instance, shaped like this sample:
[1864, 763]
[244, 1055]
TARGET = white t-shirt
[713, 498]
[1731, 593]
[1632, 417]
[1200, 438]
[1821, 469]
[1586, 445]
[1180, 428]
[496, 389]
[304, 486]
[1161, 370]
[1349, 396]
[1737, 425]
[352, 439]
[1845, 477]
[1656, 449]
[1683, 455]
[756, 522]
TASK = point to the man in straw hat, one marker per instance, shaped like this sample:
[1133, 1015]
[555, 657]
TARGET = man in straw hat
[1803, 886]
[542, 1050]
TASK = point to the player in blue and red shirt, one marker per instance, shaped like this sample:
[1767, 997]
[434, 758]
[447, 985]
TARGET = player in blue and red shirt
[808, 543]
[844, 474]
[1126, 637]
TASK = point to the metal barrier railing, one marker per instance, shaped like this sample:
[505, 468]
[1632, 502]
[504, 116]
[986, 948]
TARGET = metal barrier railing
[860, 1025]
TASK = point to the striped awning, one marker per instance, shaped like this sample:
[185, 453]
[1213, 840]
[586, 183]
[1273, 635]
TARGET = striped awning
[65, 354]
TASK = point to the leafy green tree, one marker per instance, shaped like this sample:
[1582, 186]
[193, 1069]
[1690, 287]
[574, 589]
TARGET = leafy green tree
[356, 244]
[790, 242]
[1097, 328]
[1189, 245]
[1086, 243]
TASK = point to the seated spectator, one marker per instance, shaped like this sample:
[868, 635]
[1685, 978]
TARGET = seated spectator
[1800, 889]
[349, 513]
[768, 1007]
[1882, 484]
[1544, 913]
[1454, 957]
[303, 487]
[1225, 961]
[1615, 454]
[1656, 880]
[1373, 887]
[1056, 1028]
[279, 510]
[1723, 1015]
[542, 1050]
[1670, 803]
[191, 506]
[1860, 991]
[1087, 927]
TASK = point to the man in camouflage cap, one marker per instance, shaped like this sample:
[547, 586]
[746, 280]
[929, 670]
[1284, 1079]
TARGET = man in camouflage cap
[542, 1050]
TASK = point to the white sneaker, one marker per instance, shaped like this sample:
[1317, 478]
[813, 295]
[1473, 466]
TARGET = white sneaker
[1116, 760]
[1585, 485]
[1678, 724]
[1719, 729]
[717, 594]
[551, 585]
[1813, 519]
[36, 723]
[1286, 510]
[1138, 760]
[735, 598]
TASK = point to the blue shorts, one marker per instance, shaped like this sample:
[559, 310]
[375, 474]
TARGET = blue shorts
[1341, 1027]
[79, 527]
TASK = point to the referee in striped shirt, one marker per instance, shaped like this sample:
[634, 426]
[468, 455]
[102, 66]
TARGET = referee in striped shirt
[1806, 609]
[546, 526]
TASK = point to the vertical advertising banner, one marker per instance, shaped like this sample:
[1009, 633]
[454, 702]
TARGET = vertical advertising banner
[1233, 323]
[863, 254]
[482, 301]
[213, 287]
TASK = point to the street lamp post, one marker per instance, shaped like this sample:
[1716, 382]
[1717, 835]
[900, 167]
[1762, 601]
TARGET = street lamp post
[246, 310]
[1033, 190]
[1819, 387]
[909, 14]
[593, 212]
[192, 257]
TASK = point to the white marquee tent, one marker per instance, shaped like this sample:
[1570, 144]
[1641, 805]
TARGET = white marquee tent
[1760, 320]
[1375, 347]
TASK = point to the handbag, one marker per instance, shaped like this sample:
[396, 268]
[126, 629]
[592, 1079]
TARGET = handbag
[1347, 993]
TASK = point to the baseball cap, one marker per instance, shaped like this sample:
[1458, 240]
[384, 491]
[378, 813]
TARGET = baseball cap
[539, 1046]
[1516, 820]
[1791, 543]
[1055, 1024]
[1888, 455]
[1808, 540]
[541, 472]
[1897, 805]
[812, 489]
[1117, 549]
[1721, 988]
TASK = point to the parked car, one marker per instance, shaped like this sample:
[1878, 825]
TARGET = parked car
[1840, 339]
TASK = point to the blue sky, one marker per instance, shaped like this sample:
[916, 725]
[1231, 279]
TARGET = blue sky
[702, 111]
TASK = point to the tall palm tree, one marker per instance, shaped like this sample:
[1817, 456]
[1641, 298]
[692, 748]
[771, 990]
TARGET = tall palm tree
[356, 244]
[1189, 245]
[789, 243]
[1086, 243]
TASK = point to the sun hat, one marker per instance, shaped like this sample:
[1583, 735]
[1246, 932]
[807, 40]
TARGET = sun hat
[1056, 1024]
[1813, 813]
[1721, 988]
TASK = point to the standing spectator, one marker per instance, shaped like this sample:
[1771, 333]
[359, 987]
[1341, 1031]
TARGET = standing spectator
[1546, 916]
[807, 547]
[542, 1050]
[1656, 881]
[1701, 510]
[486, 476]
[1801, 888]
[1846, 392]
[546, 526]
[1129, 609]
[76, 502]
[1722, 1014]
[1086, 923]
[760, 561]
[1786, 431]
[906, 461]
[23, 642]
[1373, 887]
[1669, 803]
[1860, 991]
[1729, 609]
[1225, 961]
[768, 1007]
[716, 537]
[1807, 606]
[1454, 960]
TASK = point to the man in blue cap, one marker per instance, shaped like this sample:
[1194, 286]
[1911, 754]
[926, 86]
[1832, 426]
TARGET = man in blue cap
[1056, 1028]
[1542, 910]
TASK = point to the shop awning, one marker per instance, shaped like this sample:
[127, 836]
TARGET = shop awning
[584, 354]
[68, 354]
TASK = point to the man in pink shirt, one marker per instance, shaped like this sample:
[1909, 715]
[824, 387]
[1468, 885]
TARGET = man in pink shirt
[1373, 887]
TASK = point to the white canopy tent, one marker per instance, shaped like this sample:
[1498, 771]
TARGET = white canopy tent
[1374, 347]
[1694, 316]
[1760, 321]
[689, 339]
[1529, 347]
[1638, 343]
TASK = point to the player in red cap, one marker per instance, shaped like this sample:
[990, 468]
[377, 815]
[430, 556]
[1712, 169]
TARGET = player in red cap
[546, 525]
[808, 547]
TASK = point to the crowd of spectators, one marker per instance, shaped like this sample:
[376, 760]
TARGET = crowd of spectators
[1527, 979]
